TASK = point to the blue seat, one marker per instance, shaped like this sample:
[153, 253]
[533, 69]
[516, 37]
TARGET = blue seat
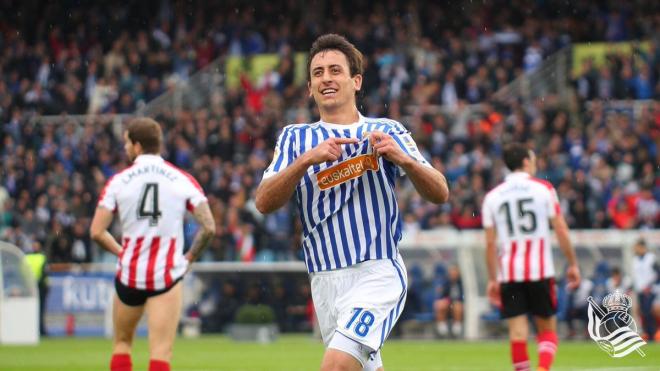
[602, 270]
[440, 272]
[493, 315]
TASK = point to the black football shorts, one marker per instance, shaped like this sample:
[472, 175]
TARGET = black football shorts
[136, 297]
[538, 298]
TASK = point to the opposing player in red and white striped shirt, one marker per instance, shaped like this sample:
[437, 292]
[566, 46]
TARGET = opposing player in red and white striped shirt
[151, 198]
[517, 215]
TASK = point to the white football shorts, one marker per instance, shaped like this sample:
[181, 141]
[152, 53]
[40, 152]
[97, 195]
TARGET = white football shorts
[361, 302]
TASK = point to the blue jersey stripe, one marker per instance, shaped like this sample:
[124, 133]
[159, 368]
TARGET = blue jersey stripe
[285, 150]
[387, 235]
[364, 216]
[376, 214]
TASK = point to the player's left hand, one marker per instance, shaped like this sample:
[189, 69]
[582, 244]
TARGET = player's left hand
[384, 145]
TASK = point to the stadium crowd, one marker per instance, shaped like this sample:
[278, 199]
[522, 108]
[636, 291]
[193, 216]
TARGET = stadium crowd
[419, 57]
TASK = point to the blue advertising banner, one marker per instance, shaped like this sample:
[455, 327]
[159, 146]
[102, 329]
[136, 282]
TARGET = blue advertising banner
[78, 304]
[86, 292]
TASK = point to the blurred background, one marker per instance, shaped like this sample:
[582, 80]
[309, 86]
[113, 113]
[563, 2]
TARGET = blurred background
[578, 81]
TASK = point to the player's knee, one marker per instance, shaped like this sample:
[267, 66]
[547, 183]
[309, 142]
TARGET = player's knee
[441, 305]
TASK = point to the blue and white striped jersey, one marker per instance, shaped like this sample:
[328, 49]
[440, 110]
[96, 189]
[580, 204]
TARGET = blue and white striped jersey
[348, 207]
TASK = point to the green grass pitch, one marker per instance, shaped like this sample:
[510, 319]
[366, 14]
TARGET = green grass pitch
[301, 352]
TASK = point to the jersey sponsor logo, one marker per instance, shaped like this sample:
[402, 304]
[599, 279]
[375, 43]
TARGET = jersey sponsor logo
[346, 170]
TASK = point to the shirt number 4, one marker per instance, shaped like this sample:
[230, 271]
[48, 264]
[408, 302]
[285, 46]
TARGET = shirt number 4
[361, 328]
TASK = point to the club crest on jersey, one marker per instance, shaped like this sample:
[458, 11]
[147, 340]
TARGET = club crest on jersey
[346, 170]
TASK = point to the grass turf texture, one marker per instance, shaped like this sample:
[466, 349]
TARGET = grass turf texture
[301, 352]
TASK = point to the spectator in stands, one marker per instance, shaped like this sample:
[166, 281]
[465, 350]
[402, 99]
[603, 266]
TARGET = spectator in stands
[229, 304]
[298, 309]
[37, 261]
[648, 209]
[618, 282]
[645, 274]
[577, 307]
[449, 304]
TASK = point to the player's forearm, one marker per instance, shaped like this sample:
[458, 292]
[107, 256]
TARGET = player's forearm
[202, 240]
[204, 217]
[106, 241]
[491, 261]
[561, 229]
[429, 182]
[276, 191]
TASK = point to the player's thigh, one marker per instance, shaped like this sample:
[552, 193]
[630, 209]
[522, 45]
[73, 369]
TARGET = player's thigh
[542, 297]
[371, 307]
[324, 286]
[163, 314]
[125, 319]
[518, 327]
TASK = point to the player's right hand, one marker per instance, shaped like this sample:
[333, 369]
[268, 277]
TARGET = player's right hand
[493, 292]
[328, 150]
[573, 277]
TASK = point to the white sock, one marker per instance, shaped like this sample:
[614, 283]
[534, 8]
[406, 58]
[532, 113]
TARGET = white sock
[457, 328]
[442, 327]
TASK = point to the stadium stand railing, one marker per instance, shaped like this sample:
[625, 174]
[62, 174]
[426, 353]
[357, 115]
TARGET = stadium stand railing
[550, 78]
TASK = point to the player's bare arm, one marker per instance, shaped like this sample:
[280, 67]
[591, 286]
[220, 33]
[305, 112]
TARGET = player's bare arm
[98, 231]
[573, 270]
[429, 182]
[274, 192]
[204, 217]
[493, 289]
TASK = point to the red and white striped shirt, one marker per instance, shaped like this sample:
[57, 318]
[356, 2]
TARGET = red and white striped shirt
[520, 210]
[151, 198]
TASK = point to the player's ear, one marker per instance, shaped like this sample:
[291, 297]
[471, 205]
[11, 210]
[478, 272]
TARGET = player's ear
[137, 148]
[357, 82]
[309, 88]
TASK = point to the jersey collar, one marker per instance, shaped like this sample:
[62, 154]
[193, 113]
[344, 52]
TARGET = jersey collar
[147, 157]
[354, 125]
[517, 175]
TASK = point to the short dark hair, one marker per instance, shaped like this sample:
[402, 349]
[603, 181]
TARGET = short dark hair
[514, 154]
[147, 132]
[337, 42]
